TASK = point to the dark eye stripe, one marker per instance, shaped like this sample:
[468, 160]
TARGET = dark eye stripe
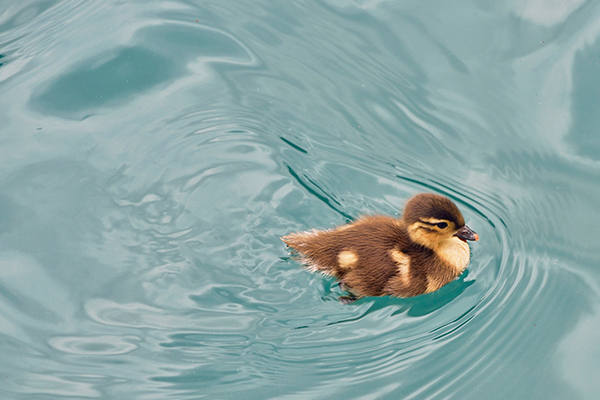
[439, 225]
[434, 223]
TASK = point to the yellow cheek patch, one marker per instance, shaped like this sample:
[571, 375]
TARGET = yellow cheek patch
[347, 259]
[422, 234]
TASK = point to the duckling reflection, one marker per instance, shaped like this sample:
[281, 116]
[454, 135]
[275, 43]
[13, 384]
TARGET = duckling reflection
[386, 256]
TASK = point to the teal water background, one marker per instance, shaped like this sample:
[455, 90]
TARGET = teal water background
[152, 153]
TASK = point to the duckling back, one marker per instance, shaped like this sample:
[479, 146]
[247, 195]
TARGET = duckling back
[359, 254]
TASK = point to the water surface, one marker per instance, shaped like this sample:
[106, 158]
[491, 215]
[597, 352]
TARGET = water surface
[153, 153]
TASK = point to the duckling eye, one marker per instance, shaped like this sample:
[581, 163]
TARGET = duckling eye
[442, 225]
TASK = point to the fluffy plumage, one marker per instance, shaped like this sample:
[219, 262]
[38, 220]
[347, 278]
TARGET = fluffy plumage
[382, 255]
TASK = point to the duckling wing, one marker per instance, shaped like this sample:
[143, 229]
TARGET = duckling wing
[360, 253]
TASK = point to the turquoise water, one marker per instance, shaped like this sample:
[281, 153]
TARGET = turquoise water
[153, 152]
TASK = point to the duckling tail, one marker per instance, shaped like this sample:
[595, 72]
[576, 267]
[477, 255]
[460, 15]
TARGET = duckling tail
[308, 247]
[300, 240]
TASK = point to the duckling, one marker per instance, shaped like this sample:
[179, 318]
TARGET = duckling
[385, 256]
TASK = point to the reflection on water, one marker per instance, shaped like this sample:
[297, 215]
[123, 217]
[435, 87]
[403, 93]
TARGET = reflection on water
[154, 153]
[111, 77]
[577, 362]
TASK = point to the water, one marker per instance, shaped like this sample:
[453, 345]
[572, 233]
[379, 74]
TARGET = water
[152, 153]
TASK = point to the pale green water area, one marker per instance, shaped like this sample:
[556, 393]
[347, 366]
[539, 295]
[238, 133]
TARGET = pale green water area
[152, 153]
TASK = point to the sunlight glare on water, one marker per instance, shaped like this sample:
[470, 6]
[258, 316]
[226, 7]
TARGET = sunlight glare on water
[154, 152]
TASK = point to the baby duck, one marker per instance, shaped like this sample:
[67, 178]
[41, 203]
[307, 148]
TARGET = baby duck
[385, 256]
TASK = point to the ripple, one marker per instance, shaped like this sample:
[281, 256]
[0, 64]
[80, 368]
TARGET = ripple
[49, 385]
[94, 345]
[137, 315]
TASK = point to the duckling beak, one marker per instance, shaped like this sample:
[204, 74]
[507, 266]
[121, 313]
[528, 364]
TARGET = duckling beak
[465, 233]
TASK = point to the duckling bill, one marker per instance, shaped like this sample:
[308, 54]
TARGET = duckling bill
[385, 256]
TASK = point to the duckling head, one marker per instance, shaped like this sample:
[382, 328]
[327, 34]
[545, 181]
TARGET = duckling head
[433, 220]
